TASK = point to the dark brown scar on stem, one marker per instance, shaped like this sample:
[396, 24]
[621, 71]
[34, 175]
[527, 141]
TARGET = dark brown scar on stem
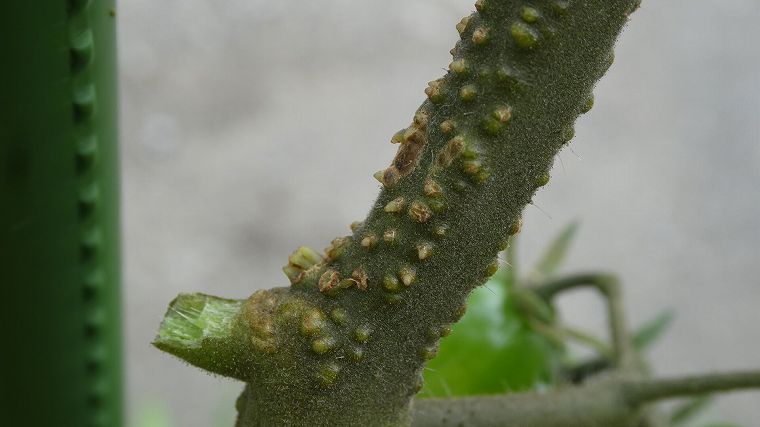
[407, 158]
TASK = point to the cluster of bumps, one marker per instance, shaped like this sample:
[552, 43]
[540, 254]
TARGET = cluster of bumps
[458, 165]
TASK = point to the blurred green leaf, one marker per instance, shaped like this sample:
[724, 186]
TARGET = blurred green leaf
[688, 410]
[652, 330]
[552, 259]
[153, 414]
[491, 349]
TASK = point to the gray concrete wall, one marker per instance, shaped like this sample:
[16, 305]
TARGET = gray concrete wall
[253, 127]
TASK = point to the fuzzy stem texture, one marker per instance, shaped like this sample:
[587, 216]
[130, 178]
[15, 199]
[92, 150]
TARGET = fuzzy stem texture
[345, 344]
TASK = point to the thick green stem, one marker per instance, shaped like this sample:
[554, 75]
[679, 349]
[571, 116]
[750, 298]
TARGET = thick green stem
[346, 343]
[60, 362]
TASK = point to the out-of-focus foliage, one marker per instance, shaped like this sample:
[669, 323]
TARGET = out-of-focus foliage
[493, 348]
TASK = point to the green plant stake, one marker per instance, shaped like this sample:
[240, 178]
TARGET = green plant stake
[60, 363]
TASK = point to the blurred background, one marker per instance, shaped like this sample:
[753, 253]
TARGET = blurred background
[252, 127]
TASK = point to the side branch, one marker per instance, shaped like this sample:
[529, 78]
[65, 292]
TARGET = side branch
[613, 402]
[200, 329]
[609, 287]
[644, 391]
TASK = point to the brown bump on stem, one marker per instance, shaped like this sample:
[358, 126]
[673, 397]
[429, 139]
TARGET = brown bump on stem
[515, 227]
[429, 352]
[312, 323]
[502, 113]
[459, 67]
[390, 176]
[432, 188]
[336, 248]
[389, 236]
[424, 250]
[395, 206]
[434, 91]
[480, 36]
[447, 126]
[476, 170]
[369, 241]
[413, 141]
[451, 151]
[304, 257]
[468, 92]
[462, 25]
[258, 313]
[493, 267]
[420, 212]
[421, 119]
[379, 176]
[495, 123]
[407, 275]
[440, 230]
[480, 5]
[408, 155]
[472, 167]
[300, 263]
[356, 225]
[398, 137]
[329, 280]
[361, 278]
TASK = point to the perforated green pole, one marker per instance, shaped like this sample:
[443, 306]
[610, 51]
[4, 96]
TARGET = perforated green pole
[60, 361]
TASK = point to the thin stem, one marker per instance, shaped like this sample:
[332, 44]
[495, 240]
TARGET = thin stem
[609, 287]
[559, 333]
[585, 338]
[616, 401]
[644, 391]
